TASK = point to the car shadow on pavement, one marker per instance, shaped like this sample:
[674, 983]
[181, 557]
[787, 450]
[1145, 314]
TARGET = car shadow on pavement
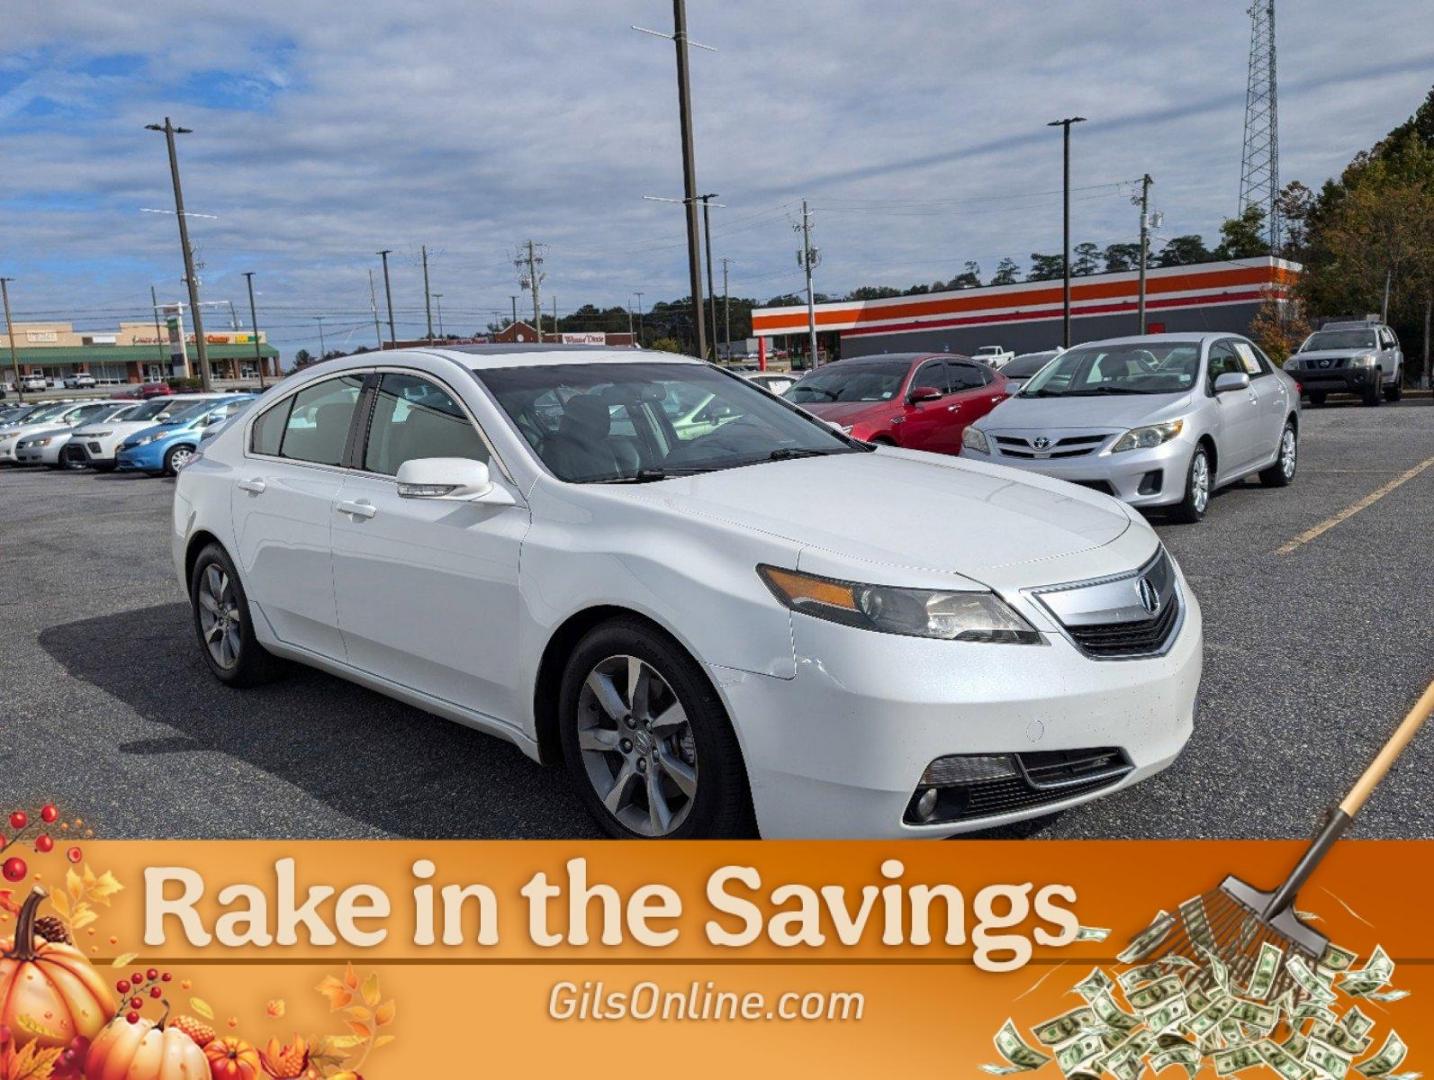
[363, 755]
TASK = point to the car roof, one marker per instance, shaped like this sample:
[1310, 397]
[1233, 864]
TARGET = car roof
[481, 357]
[896, 357]
[1157, 339]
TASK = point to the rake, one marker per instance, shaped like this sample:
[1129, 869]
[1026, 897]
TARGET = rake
[1235, 920]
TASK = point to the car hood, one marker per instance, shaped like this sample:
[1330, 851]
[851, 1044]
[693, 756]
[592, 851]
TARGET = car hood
[902, 508]
[24, 430]
[1098, 413]
[118, 427]
[46, 429]
[157, 429]
[1333, 354]
[842, 412]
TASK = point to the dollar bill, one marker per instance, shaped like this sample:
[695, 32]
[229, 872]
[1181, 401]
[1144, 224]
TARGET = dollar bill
[1236, 1059]
[1208, 1019]
[1014, 1049]
[1296, 1044]
[1375, 974]
[1077, 1053]
[1257, 1015]
[1340, 1038]
[1112, 1015]
[1308, 981]
[1388, 995]
[1329, 1060]
[1217, 969]
[1067, 1026]
[1168, 1015]
[1151, 996]
[1092, 933]
[1267, 966]
[1335, 958]
[1094, 984]
[1281, 1060]
[1149, 939]
[1355, 1022]
[1144, 973]
[1185, 1056]
[1391, 1055]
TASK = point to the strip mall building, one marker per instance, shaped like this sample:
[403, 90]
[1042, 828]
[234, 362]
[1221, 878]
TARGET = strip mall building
[1026, 317]
[133, 353]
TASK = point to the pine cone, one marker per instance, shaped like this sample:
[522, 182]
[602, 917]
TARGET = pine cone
[52, 929]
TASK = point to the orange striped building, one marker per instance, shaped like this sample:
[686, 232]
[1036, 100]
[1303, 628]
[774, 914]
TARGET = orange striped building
[1026, 317]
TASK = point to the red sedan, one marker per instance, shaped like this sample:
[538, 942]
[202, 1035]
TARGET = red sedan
[921, 401]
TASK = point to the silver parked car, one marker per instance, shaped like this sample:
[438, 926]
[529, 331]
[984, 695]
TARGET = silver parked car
[1360, 358]
[1158, 420]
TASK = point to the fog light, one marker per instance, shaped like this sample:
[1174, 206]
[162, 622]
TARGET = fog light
[926, 804]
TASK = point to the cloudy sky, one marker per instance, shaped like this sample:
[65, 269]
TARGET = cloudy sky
[324, 132]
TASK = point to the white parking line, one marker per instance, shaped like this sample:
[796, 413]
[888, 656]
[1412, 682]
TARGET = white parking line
[1354, 508]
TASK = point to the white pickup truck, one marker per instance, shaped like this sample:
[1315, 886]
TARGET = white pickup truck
[993, 355]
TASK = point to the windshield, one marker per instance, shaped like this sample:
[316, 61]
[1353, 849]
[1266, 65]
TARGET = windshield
[185, 413]
[150, 409]
[90, 412]
[636, 422]
[878, 380]
[48, 412]
[1145, 368]
[1340, 339]
[1023, 367]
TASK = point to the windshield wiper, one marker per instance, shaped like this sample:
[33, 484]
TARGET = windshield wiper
[1099, 390]
[786, 453]
[651, 476]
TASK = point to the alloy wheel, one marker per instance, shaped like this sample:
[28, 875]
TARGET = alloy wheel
[1200, 483]
[179, 457]
[637, 746]
[219, 617]
[1287, 453]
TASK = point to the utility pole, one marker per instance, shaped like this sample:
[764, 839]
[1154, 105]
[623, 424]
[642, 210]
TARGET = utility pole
[388, 292]
[807, 259]
[158, 333]
[254, 325]
[10, 333]
[1384, 308]
[323, 350]
[1066, 218]
[438, 300]
[639, 318]
[555, 317]
[515, 308]
[427, 301]
[373, 303]
[531, 279]
[233, 318]
[726, 309]
[170, 131]
[711, 285]
[1145, 183]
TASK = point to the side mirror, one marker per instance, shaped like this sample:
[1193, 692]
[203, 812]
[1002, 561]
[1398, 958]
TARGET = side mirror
[923, 393]
[452, 479]
[1231, 380]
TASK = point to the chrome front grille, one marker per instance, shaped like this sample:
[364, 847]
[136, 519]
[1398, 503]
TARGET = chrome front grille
[1122, 617]
[1038, 448]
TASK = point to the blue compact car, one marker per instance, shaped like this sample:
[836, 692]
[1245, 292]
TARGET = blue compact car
[164, 449]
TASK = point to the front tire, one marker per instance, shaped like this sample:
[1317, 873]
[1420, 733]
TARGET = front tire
[1282, 472]
[1198, 483]
[177, 458]
[222, 622]
[1317, 397]
[1373, 391]
[646, 740]
[1395, 390]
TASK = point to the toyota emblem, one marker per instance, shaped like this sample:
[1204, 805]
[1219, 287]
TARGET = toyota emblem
[1149, 598]
[1041, 442]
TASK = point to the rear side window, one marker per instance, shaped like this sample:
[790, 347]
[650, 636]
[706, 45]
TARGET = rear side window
[415, 418]
[312, 425]
[968, 376]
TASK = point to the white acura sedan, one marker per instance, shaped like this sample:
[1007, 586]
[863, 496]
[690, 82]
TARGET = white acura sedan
[754, 624]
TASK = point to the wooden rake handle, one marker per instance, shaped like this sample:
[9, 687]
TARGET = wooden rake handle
[1384, 760]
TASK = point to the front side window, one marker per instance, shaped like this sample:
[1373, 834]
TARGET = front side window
[935, 374]
[1249, 359]
[968, 376]
[312, 425]
[610, 422]
[1091, 371]
[415, 418]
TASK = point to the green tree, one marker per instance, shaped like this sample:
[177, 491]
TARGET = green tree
[873, 292]
[666, 344]
[1046, 267]
[1086, 260]
[1006, 271]
[969, 278]
[1182, 251]
[1120, 257]
[1244, 237]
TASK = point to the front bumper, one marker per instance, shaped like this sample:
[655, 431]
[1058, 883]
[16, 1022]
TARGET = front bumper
[839, 750]
[1352, 380]
[40, 455]
[1153, 477]
[148, 458]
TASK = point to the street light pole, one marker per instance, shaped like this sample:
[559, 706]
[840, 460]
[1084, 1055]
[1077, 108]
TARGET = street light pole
[515, 309]
[10, 333]
[711, 285]
[639, 318]
[170, 131]
[1065, 125]
[1145, 183]
[689, 171]
[427, 303]
[323, 350]
[254, 327]
[438, 301]
[388, 292]
[726, 309]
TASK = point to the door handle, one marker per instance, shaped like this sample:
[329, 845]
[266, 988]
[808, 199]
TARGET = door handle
[255, 486]
[358, 509]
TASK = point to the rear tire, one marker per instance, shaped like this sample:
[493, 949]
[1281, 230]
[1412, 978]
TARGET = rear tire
[1317, 397]
[1372, 392]
[675, 737]
[1198, 484]
[223, 625]
[1282, 472]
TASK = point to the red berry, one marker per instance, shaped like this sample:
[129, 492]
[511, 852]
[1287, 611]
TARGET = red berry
[165, 977]
[137, 978]
[43, 844]
[49, 814]
[19, 819]
[152, 974]
[132, 1017]
[74, 854]
[14, 869]
[122, 986]
[155, 991]
[136, 1003]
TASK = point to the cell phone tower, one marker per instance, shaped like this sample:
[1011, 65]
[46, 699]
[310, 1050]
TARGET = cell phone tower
[1260, 160]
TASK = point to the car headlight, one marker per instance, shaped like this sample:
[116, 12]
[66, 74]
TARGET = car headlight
[32, 443]
[94, 434]
[1143, 438]
[975, 439]
[952, 616]
[1366, 360]
[147, 439]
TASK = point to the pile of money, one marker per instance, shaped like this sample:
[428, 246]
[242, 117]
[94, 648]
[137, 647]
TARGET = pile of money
[1193, 1011]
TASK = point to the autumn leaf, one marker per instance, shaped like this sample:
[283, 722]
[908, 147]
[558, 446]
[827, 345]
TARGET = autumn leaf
[338, 994]
[123, 960]
[7, 902]
[363, 1031]
[359, 1013]
[351, 979]
[383, 1040]
[61, 903]
[335, 1043]
[31, 1062]
[84, 915]
[202, 1007]
[74, 885]
[384, 1014]
[276, 1008]
[102, 888]
[371, 993]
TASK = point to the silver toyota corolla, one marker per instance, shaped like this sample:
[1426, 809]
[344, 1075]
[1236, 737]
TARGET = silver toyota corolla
[1158, 420]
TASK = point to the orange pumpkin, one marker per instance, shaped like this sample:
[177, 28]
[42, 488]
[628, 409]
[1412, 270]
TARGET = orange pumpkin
[144, 1051]
[49, 993]
[232, 1058]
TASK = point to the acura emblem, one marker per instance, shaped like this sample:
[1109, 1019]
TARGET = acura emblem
[1149, 598]
[1041, 442]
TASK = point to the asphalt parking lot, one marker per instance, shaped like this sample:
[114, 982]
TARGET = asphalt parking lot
[1312, 655]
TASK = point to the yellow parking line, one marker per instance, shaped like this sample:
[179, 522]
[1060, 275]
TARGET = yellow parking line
[1354, 508]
